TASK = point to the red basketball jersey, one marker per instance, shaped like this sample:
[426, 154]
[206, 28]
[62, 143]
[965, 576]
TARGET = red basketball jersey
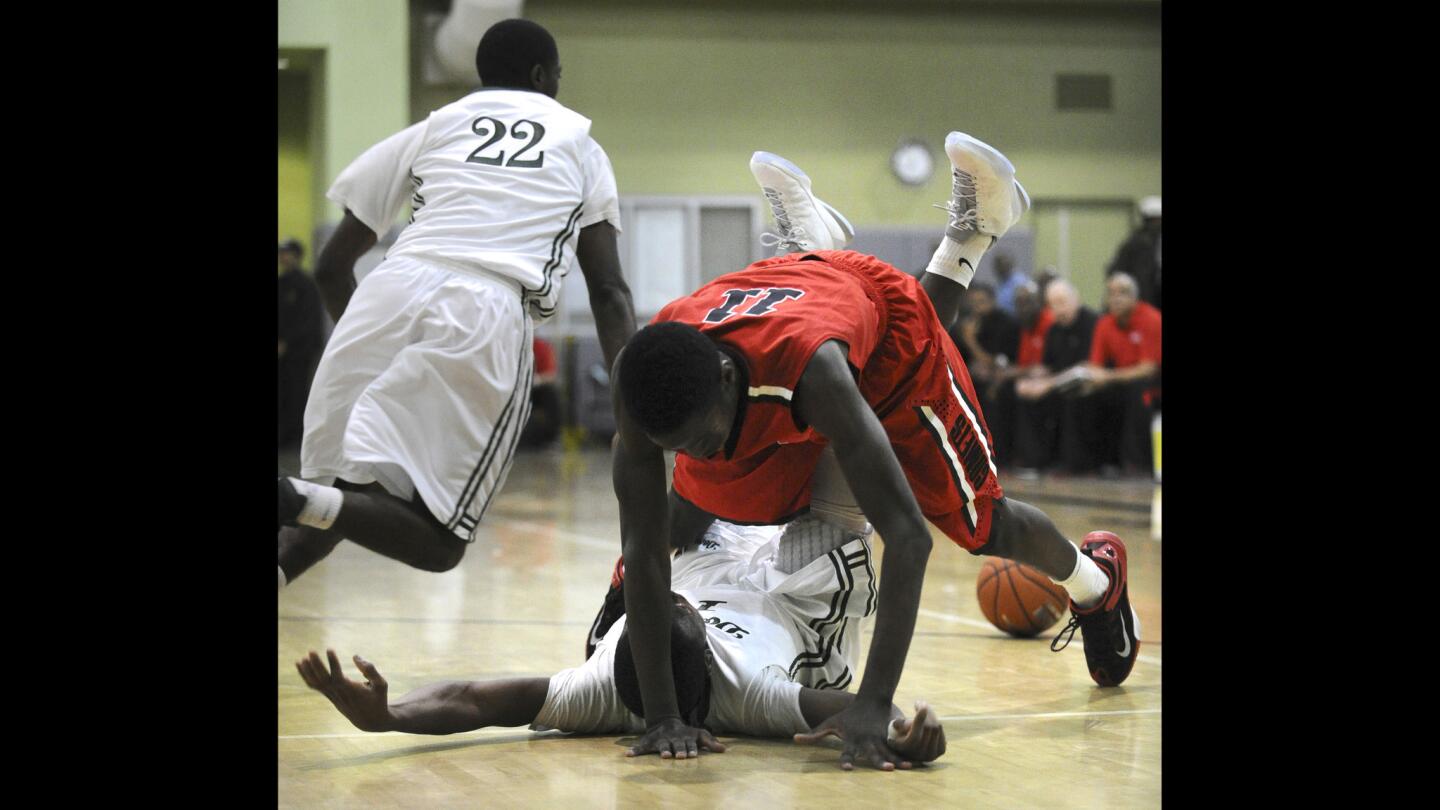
[772, 317]
[775, 314]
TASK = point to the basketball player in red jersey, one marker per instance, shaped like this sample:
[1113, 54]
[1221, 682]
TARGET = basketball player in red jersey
[760, 374]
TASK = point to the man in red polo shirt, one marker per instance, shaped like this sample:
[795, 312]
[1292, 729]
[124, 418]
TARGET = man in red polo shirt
[1125, 381]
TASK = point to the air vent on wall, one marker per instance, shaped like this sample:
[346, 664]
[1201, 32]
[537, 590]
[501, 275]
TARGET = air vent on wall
[1082, 91]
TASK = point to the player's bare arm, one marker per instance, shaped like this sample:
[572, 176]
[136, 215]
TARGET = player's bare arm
[609, 294]
[639, 478]
[448, 707]
[335, 266]
[688, 523]
[828, 398]
[1143, 370]
[918, 739]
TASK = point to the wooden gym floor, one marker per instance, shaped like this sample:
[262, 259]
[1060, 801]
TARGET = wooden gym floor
[1026, 727]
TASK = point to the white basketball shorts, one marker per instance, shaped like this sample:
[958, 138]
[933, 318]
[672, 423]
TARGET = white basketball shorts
[424, 387]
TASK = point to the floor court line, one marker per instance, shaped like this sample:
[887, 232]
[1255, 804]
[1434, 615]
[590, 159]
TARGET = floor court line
[577, 538]
[416, 620]
[948, 617]
[950, 718]
[595, 542]
[961, 718]
[487, 732]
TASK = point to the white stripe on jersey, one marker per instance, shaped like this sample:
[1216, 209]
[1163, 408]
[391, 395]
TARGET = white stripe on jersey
[954, 460]
[771, 391]
[974, 423]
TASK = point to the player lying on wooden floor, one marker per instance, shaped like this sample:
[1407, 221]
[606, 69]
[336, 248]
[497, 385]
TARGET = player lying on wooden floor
[761, 643]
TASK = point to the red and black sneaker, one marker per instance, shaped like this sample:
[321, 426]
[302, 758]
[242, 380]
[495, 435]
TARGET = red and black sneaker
[1110, 628]
[612, 610]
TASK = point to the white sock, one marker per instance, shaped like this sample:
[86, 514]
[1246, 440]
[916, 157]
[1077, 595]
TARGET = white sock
[282, 576]
[957, 260]
[1087, 583]
[322, 504]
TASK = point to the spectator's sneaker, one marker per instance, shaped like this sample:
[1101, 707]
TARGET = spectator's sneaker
[985, 197]
[1111, 629]
[612, 610]
[805, 222]
[291, 502]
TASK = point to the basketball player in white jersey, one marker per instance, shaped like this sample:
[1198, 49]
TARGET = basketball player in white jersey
[760, 647]
[423, 390]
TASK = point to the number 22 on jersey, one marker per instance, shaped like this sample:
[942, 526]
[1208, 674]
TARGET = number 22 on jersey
[493, 129]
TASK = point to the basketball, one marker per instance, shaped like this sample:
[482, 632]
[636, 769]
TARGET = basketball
[1019, 599]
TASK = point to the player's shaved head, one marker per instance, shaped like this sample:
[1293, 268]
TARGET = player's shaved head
[668, 373]
[510, 49]
[689, 663]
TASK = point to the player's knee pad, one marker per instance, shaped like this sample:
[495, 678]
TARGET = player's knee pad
[809, 538]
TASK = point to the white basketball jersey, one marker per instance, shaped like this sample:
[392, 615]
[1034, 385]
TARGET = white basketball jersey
[500, 182]
[770, 634]
[808, 620]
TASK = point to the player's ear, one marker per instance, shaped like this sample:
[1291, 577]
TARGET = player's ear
[728, 373]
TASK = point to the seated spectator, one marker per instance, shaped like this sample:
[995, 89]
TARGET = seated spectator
[545, 417]
[1139, 255]
[1043, 278]
[301, 338]
[1035, 320]
[1049, 423]
[1124, 377]
[989, 340]
[1007, 281]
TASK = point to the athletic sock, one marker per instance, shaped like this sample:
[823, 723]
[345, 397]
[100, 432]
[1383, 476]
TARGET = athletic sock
[1087, 583]
[322, 504]
[957, 260]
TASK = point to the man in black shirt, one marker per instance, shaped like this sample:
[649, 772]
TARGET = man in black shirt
[988, 338]
[1139, 255]
[1047, 412]
[302, 336]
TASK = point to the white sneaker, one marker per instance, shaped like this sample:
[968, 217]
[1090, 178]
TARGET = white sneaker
[805, 221]
[985, 197]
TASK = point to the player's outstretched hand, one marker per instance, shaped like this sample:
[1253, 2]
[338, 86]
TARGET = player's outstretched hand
[921, 738]
[672, 739]
[365, 704]
[862, 727]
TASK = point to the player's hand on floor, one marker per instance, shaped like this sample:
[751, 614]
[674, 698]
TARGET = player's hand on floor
[863, 728]
[363, 704]
[920, 738]
[672, 739]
